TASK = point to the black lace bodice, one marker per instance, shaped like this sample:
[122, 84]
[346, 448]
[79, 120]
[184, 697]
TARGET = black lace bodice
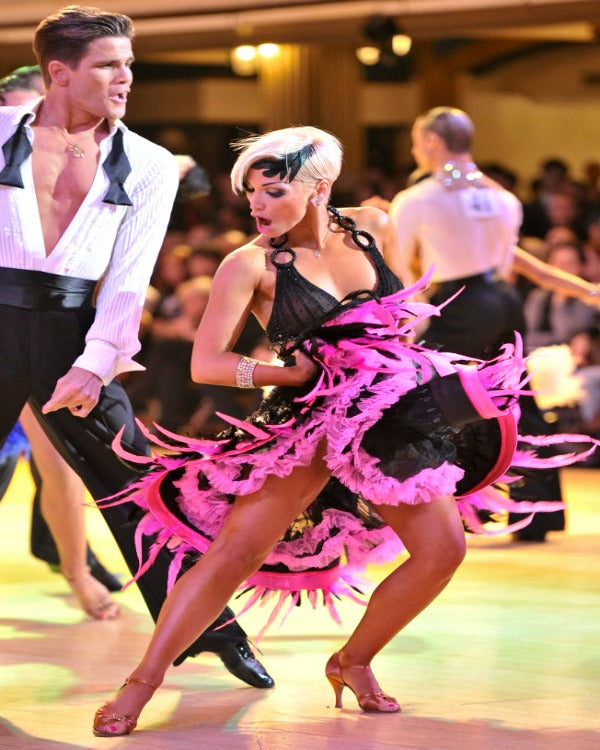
[299, 304]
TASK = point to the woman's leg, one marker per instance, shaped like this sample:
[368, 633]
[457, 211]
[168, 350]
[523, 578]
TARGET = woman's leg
[254, 525]
[62, 499]
[434, 537]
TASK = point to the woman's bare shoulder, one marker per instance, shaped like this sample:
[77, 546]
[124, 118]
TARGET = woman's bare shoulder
[251, 255]
[368, 218]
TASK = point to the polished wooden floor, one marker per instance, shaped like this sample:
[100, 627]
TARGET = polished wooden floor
[508, 658]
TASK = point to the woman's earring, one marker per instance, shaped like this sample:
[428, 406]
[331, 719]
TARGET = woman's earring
[316, 201]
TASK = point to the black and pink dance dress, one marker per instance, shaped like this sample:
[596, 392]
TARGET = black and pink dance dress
[401, 424]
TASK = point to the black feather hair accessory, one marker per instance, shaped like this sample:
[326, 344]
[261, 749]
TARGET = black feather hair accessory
[287, 166]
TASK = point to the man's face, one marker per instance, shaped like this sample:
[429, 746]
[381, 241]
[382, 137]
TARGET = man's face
[566, 259]
[420, 148]
[100, 83]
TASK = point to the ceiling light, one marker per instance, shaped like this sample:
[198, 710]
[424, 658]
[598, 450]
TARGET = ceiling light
[244, 53]
[268, 49]
[243, 60]
[401, 44]
[368, 55]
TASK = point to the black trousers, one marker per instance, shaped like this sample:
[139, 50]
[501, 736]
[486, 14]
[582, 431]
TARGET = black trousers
[477, 322]
[37, 347]
[482, 318]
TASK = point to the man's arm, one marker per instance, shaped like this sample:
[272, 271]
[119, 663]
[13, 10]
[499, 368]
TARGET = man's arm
[113, 340]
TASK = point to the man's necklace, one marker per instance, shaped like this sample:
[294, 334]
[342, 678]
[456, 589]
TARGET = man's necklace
[72, 148]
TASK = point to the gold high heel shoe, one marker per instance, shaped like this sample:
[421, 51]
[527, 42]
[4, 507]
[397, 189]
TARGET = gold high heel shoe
[363, 684]
[106, 722]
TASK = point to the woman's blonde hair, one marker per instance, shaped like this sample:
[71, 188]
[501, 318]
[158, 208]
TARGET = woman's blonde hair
[304, 153]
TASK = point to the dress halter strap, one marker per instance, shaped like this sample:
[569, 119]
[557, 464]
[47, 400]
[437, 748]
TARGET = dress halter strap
[361, 239]
[280, 249]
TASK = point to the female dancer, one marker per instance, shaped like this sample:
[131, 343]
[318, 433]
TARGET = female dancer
[353, 401]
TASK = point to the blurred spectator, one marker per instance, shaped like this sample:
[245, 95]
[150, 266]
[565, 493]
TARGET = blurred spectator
[585, 349]
[204, 260]
[591, 184]
[501, 174]
[551, 317]
[165, 391]
[169, 272]
[557, 235]
[591, 248]
[555, 202]
[20, 86]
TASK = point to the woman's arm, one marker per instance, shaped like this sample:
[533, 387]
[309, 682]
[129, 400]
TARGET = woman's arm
[232, 297]
[552, 278]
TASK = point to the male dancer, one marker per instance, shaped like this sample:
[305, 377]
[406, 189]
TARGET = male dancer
[467, 226]
[85, 204]
[23, 86]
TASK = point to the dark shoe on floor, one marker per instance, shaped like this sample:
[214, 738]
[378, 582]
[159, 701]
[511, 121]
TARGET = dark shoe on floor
[529, 536]
[241, 662]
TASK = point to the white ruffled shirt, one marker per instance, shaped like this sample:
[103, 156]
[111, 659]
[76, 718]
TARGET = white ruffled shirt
[118, 244]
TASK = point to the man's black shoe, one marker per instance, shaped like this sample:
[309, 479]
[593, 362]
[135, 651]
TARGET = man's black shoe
[526, 535]
[241, 662]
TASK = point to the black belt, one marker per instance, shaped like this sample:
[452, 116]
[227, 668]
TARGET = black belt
[479, 278]
[36, 290]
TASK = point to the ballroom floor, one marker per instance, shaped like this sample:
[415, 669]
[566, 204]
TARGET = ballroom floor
[508, 658]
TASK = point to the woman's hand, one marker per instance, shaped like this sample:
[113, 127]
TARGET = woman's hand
[304, 369]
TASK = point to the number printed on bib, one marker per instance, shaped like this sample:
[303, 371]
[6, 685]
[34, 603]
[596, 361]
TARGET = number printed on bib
[479, 202]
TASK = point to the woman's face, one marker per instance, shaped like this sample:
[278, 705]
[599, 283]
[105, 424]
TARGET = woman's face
[276, 206]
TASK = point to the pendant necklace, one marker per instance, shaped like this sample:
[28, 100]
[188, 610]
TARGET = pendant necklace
[72, 148]
[316, 251]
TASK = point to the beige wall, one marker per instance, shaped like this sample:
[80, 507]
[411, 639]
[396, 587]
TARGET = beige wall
[209, 100]
[520, 132]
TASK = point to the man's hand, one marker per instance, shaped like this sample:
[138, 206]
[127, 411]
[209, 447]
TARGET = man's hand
[78, 391]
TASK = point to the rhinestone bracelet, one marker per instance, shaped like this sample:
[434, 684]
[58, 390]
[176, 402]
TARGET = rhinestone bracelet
[244, 373]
